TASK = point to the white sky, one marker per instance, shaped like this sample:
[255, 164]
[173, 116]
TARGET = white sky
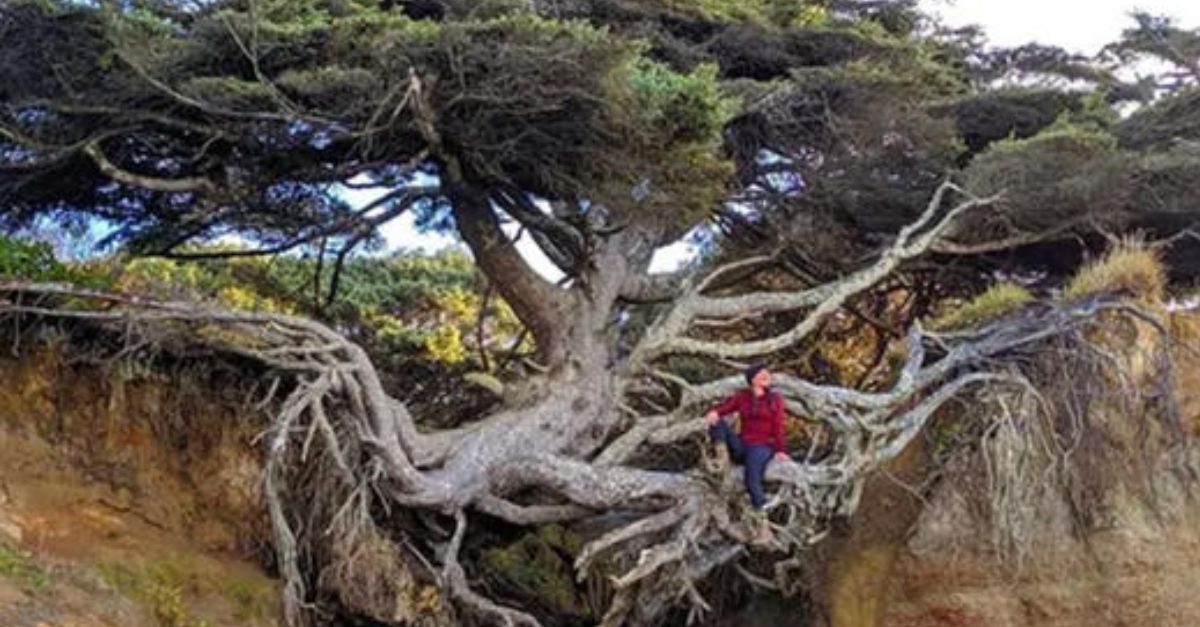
[1076, 25]
[1083, 26]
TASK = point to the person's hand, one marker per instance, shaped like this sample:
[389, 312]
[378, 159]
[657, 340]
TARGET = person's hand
[783, 457]
[711, 418]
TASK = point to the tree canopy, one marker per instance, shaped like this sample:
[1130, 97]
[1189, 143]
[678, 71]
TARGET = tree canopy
[182, 121]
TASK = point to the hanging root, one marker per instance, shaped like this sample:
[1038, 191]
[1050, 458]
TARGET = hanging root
[350, 483]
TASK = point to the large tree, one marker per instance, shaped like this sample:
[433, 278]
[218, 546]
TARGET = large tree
[837, 149]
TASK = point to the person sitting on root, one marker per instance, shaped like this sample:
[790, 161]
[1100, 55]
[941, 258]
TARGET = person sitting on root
[762, 413]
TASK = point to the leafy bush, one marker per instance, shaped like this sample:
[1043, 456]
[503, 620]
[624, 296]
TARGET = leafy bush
[32, 261]
[1066, 175]
[27, 260]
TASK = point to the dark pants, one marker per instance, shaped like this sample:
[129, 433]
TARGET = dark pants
[754, 457]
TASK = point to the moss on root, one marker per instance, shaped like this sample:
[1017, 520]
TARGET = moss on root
[540, 565]
[996, 301]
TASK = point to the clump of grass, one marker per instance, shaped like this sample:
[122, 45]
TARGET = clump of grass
[1185, 326]
[17, 567]
[170, 609]
[157, 585]
[1129, 266]
[252, 598]
[996, 301]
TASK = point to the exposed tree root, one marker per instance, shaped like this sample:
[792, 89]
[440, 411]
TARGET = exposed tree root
[340, 450]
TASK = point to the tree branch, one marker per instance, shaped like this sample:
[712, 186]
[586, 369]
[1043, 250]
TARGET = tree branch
[109, 169]
[401, 200]
[535, 301]
[561, 242]
[667, 335]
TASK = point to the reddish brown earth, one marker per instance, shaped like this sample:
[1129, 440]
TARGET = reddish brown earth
[106, 522]
[909, 562]
[131, 501]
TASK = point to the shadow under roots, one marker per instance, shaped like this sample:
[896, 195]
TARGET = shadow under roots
[766, 609]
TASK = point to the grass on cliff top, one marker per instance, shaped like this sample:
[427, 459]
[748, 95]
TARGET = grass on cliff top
[996, 301]
[1129, 266]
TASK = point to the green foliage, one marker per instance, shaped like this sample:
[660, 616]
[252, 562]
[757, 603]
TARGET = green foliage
[1163, 123]
[33, 261]
[405, 306]
[675, 120]
[1009, 113]
[149, 22]
[158, 585]
[391, 283]
[239, 283]
[17, 567]
[683, 107]
[318, 84]
[784, 13]
[881, 151]
[798, 15]
[413, 304]
[26, 260]
[229, 92]
[539, 567]
[722, 9]
[253, 599]
[1095, 112]
[993, 303]
[1166, 181]
[622, 104]
[1061, 138]
[1058, 179]
[1161, 38]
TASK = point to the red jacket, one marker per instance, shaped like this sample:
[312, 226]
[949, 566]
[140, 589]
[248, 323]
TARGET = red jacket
[762, 417]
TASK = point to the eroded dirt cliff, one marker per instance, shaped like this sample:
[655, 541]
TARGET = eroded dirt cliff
[128, 499]
[1118, 545]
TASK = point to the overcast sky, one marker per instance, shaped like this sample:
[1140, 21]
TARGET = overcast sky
[1077, 25]
[1082, 26]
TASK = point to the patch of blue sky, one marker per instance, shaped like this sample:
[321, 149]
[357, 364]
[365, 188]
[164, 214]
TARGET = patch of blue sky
[77, 240]
[403, 232]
